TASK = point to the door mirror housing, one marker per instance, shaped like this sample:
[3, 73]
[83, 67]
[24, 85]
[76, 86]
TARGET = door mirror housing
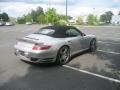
[83, 34]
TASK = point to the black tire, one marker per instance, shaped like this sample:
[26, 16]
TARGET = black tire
[93, 46]
[63, 55]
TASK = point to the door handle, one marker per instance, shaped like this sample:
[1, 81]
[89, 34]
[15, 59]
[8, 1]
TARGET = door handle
[70, 42]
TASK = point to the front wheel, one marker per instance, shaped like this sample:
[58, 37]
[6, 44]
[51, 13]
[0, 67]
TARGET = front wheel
[63, 55]
[93, 46]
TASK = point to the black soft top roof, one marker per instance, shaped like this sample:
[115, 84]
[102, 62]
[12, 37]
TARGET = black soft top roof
[59, 27]
[60, 31]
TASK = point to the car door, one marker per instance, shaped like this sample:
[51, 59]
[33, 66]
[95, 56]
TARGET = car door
[83, 39]
[84, 44]
[73, 39]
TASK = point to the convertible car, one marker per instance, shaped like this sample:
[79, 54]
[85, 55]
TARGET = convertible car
[54, 44]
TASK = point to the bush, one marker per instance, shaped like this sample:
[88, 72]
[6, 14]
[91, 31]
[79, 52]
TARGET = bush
[61, 22]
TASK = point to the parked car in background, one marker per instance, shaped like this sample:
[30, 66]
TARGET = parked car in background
[2, 23]
[28, 23]
[9, 24]
[54, 44]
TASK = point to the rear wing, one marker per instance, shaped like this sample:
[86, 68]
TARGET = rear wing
[28, 41]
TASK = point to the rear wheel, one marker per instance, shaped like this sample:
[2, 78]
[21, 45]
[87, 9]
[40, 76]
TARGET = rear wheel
[93, 46]
[63, 55]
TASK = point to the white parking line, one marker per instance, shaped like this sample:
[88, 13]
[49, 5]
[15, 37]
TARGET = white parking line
[12, 30]
[108, 52]
[21, 30]
[93, 74]
[107, 42]
[27, 30]
[109, 38]
[16, 29]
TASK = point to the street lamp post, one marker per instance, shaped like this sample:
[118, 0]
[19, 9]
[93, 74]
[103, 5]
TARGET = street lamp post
[66, 9]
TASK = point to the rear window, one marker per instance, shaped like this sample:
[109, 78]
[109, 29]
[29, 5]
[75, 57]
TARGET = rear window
[48, 32]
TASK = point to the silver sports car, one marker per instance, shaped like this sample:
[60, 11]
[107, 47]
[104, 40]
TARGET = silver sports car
[54, 44]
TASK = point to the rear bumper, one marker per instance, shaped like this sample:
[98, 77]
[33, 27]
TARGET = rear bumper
[42, 57]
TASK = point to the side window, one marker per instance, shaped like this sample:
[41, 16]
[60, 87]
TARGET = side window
[72, 33]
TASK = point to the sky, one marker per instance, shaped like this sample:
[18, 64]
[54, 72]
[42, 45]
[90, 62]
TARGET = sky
[17, 8]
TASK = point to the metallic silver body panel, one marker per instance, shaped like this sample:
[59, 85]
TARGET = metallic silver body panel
[76, 44]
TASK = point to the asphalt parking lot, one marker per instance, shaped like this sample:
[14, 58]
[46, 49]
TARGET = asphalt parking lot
[86, 71]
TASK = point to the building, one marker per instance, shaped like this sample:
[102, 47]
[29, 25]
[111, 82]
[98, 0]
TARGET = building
[13, 20]
[115, 20]
[72, 21]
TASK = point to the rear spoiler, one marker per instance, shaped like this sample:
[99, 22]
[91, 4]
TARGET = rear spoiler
[27, 40]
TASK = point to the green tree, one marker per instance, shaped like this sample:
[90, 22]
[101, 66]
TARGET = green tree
[36, 13]
[109, 15]
[79, 20]
[106, 17]
[28, 18]
[61, 22]
[63, 17]
[21, 20]
[51, 16]
[92, 20]
[4, 17]
[33, 15]
[0, 17]
[39, 10]
[41, 19]
[103, 18]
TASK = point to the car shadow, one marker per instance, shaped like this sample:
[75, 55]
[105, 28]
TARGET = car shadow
[50, 77]
[80, 54]
[99, 62]
[42, 65]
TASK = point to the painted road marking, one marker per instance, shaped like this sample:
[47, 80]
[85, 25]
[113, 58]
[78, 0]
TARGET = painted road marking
[21, 30]
[16, 29]
[12, 30]
[109, 38]
[93, 74]
[27, 30]
[107, 42]
[7, 28]
[108, 52]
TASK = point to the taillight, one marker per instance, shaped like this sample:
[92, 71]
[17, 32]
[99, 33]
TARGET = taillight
[40, 47]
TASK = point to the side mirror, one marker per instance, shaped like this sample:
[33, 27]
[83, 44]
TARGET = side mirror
[83, 34]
